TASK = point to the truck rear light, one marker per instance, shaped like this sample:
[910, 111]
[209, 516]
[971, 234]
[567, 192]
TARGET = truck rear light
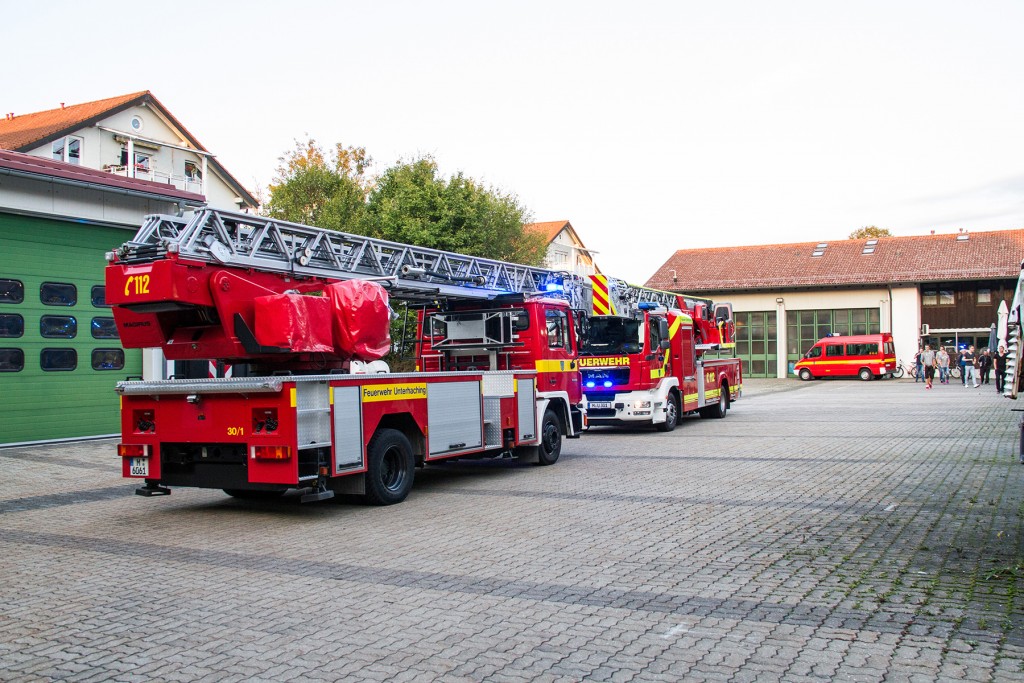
[132, 450]
[271, 452]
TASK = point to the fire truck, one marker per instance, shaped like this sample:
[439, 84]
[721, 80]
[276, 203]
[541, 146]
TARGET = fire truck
[308, 310]
[644, 360]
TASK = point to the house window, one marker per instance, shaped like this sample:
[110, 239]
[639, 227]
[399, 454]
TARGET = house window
[68, 149]
[192, 172]
[985, 297]
[946, 297]
[142, 160]
[929, 297]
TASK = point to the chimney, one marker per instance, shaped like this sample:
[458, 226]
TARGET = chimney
[933, 232]
[61, 105]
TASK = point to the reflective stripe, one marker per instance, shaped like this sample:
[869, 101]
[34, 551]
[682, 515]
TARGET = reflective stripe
[555, 366]
[602, 301]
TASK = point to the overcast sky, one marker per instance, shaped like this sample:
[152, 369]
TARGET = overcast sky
[651, 126]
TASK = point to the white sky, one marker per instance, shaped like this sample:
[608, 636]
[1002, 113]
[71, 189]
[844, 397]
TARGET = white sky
[652, 126]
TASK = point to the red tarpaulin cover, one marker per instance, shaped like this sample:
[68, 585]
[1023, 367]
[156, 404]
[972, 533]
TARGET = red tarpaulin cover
[361, 319]
[294, 321]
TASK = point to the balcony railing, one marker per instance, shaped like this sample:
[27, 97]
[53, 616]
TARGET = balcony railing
[186, 183]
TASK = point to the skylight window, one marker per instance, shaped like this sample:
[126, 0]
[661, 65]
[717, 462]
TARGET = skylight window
[869, 246]
[820, 249]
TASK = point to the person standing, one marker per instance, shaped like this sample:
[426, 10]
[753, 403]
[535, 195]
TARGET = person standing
[962, 364]
[942, 360]
[970, 360]
[918, 375]
[1000, 363]
[928, 363]
[985, 365]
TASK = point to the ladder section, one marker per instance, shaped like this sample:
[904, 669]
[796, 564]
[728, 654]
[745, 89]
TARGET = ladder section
[413, 273]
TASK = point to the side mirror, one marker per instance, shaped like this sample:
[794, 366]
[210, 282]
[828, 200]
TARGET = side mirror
[665, 344]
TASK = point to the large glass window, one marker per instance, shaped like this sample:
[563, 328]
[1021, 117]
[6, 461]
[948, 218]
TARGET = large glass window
[804, 328]
[756, 344]
[58, 360]
[58, 294]
[67, 149]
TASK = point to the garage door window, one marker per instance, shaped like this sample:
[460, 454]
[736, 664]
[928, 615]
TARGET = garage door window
[99, 296]
[58, 327]
[58, 294]
[12, 360]
[58, 360]
[11, 291]
[12, 325]
[107, 359]
[104, 328]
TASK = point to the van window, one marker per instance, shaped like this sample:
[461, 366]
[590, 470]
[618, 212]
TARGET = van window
[862, 349]
[889, 350]
[834, 350]
[815, 352]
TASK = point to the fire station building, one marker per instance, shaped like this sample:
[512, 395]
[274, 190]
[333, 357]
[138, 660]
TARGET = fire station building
[75, 182]
[938, 289]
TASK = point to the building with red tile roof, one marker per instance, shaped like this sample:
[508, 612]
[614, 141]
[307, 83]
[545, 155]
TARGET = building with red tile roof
[566, 250]
[132, 135]
[937, 288]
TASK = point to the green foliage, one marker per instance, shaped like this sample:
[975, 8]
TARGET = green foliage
[412, 204]
[328, 191]
[869, 231]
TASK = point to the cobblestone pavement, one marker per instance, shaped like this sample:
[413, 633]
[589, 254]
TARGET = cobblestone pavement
[842, 530]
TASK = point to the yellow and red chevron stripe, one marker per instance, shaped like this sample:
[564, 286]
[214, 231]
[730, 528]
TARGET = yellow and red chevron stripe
[602, 301]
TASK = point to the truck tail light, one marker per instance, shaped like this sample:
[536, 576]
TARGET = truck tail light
[132, 450]
[271, 452]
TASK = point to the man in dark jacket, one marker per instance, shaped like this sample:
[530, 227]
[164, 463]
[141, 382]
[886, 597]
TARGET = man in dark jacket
[985, 365]
[1000, 359]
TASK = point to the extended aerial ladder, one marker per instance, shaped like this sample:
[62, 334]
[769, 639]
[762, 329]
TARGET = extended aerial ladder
[409, 272]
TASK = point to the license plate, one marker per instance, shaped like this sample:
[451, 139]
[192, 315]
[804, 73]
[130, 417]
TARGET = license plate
[138, 467]
[599, 404]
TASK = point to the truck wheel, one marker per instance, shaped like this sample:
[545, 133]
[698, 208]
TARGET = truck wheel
[390, 468]
[550, 447]
[671, 414]
[865, 374]
[718, 410]
[806, 375]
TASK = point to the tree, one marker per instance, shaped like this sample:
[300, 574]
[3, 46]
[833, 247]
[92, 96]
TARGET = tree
[411, 203]
[326, 190]
[869, 231]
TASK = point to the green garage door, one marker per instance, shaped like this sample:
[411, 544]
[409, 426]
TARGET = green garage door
[59, 352]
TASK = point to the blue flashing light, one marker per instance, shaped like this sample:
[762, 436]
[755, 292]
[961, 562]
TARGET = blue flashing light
[647, 305]
[607, 384]
[591, 385]
[553, 287]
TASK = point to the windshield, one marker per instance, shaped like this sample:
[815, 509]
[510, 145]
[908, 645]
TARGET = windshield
[610, 335]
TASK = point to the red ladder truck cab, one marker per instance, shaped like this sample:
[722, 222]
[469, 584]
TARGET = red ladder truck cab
[649, 369]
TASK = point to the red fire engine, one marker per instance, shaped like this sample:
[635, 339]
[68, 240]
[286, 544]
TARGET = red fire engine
[300, 304]
[644, 357]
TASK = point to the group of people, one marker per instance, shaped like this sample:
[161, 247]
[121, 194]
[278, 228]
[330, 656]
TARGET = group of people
[976, 367]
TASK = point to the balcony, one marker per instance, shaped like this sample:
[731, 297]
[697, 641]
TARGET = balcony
[186, 183]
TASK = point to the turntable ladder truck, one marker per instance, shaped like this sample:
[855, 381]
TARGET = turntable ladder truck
[302, 305]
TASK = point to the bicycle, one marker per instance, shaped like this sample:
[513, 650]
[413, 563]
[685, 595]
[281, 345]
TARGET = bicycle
[902, 369]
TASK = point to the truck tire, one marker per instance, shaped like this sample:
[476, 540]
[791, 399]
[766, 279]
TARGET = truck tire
[718, 410]
[671, 414]
[390, 468]
[550, 447]
[806, 375]
[866, 374]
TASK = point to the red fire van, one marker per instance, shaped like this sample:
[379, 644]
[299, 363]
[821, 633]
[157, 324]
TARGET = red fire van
[864, 355]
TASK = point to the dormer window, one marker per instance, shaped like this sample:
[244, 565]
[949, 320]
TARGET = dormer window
[67, 149]
[192, 172]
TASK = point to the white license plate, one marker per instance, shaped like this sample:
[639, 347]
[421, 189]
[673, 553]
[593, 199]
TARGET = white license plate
[138, 467]
[599, 404]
